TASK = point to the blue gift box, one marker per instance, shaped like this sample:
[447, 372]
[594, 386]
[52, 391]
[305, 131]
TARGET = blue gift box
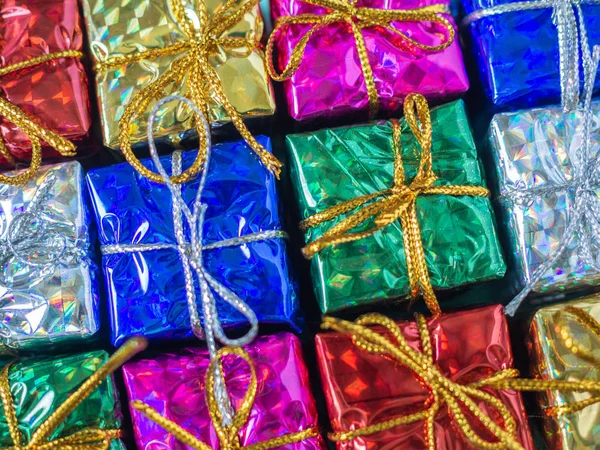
[146, 289]
[517, 53]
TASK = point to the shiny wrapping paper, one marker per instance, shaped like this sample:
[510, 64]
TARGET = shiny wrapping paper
[117, 28]
[534, 149]
[363, 388]
[174, 385]
[54, 94]
[38, 310]
[517, 53]
[40, 386]
[459, 236]
[146, 291]
[552, 358]
[330, 82]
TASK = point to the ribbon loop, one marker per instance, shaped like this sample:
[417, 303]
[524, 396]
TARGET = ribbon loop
[398, 202]
[92, 438]
[204, 38]
[347, 13]
[228, 435]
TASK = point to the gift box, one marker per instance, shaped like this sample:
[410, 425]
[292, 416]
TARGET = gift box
[536, 153]
[40, 386]
[146, 289]
[563, 345]
[333, 166]
[330, 80]
[174, 385]
[148, 34]
[364, 388]
[48, 284]
[52, 93]
[517, 53]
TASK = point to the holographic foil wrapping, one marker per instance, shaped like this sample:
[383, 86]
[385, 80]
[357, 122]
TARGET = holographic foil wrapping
[38, 310]
[54, 94]
[517, 53]
[363, 388]
[174, 385]
[330, 82]
[39, 386]
[117, 28]
[537, 149]
[146, 290]
[459, 235]
[553, 357]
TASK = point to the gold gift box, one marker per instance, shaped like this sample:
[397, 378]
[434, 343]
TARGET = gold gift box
[565, 345]
[120, 27]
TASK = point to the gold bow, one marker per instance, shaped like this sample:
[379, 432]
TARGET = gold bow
[36, 133]
[228, 435]
[92, 438]
[203, 41]
[358, 18]
[398, 202]
[457, 397]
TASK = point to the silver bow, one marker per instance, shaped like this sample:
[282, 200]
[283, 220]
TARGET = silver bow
[34, 240]
[572, 40]
[191, 252]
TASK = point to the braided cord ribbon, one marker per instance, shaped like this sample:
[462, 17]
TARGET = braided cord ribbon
[36, 133]
[92, 438]
[228, 435]
[398, 202]
[346, 13]
[456, 397]
[204, 39]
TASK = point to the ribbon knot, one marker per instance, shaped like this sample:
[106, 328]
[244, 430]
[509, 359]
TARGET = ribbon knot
[228, 435]
[398, 202]
[358, 18]
[460, 399]
[36, 133]
[35, 241]
[204, 38]
[92, 438]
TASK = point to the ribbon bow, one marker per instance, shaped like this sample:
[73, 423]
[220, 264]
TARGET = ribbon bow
[204, 39]
[358, 18]
[35, 241]
[397, 202]
[228, 435]
[456, 397]
[191, 253]
[36, 133]
[92, 438]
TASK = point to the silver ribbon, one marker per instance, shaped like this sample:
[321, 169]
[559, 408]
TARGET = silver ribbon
[571, 40]
[584, 223]
[190, 254]
[33, 239]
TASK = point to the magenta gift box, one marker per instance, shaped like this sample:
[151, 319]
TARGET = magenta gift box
[174, 385]
[330, 83]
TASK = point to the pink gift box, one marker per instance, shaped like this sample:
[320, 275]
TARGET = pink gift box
[330, 82]
[174, 385]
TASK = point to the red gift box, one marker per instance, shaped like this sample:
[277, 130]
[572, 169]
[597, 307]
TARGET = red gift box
[363, 388]
[54, 93]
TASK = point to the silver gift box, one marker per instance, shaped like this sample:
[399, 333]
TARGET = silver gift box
[537, 152]
[48, 286]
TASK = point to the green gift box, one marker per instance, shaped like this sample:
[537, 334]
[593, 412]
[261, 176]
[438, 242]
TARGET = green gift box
[458, 233]
[40, 386]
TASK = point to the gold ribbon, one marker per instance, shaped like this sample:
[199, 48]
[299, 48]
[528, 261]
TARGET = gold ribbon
[92, 438]
[227, 435]
[36, 133]
[397, 202]
[203, 84]
[458, 398]
[358, 18]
